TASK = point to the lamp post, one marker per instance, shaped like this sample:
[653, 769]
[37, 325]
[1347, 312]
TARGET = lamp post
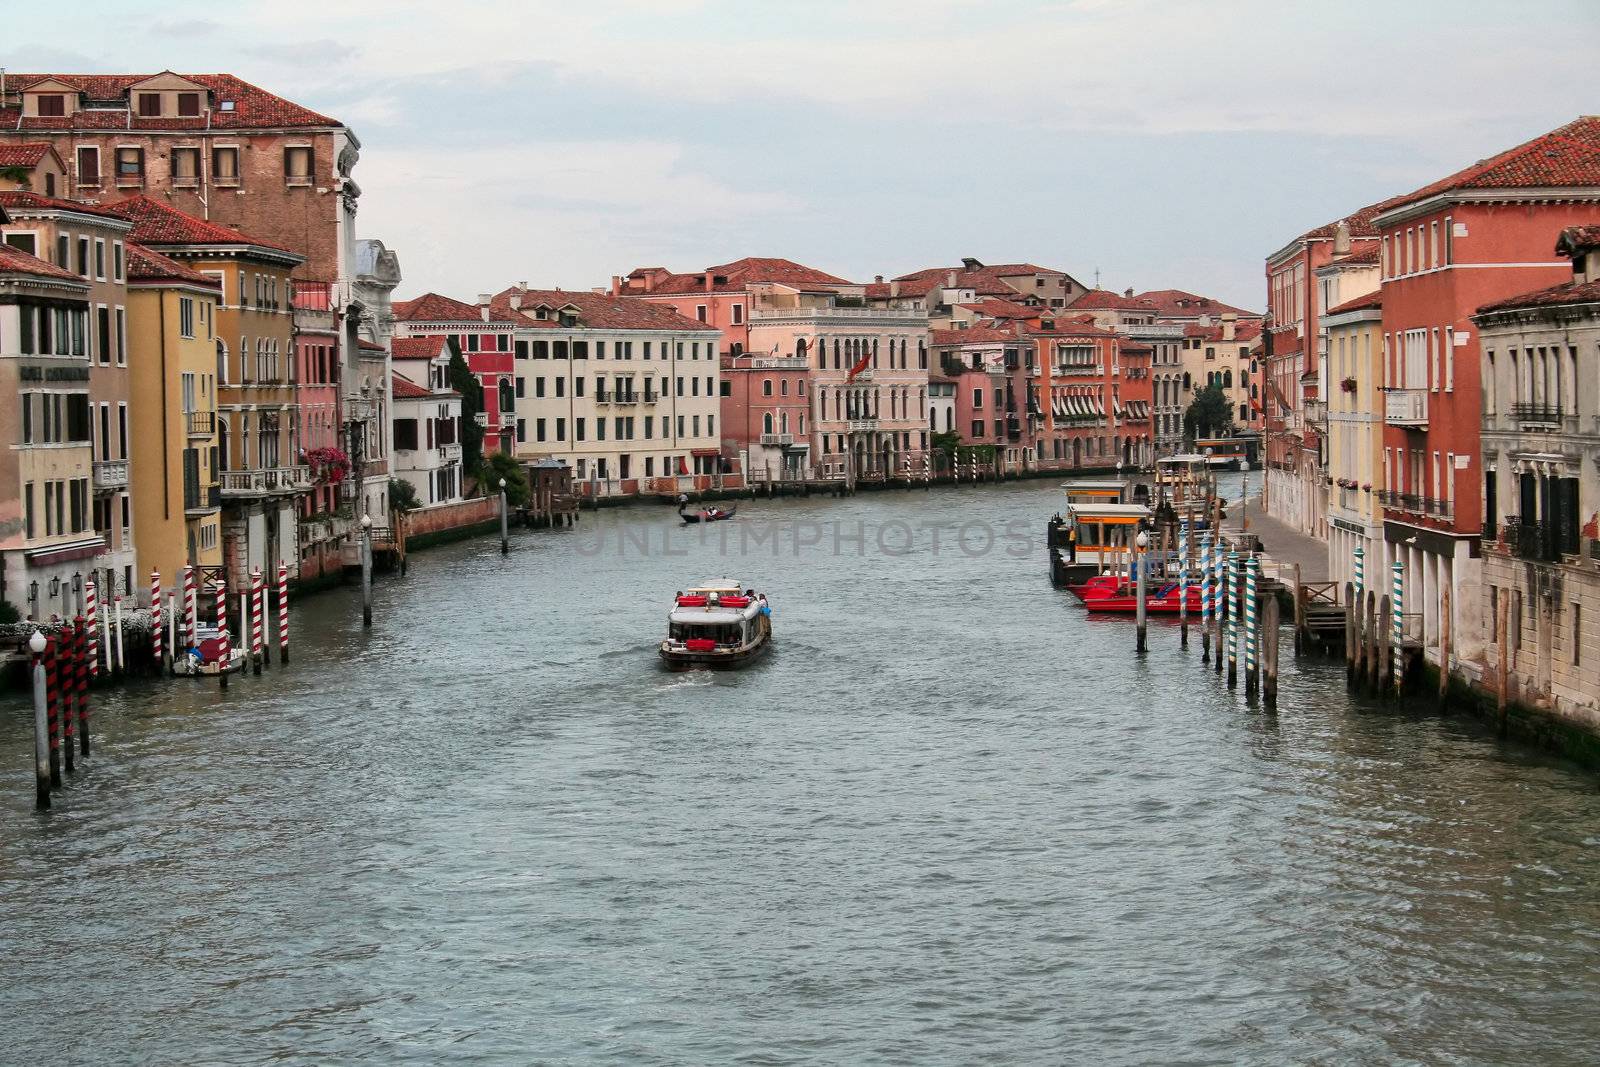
[41, 723]
[505, 543]
[1141, 542]
[366, 570]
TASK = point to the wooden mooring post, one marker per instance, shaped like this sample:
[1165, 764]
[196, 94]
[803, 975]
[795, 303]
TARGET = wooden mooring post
[1502, 688]
[1387, 651]
[1444, 647]
[1369, 644]
[1350, 651]
[1269, 657]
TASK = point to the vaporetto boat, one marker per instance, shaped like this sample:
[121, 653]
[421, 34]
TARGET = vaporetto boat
[718, 625]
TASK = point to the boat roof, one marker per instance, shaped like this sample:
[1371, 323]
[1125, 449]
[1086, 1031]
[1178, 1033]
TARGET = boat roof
[712, 616]
[1093, 483]
[1185, 458]
[717, 585]
[1109, 511]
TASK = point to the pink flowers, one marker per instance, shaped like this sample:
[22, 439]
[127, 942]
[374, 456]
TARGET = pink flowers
[328, 465]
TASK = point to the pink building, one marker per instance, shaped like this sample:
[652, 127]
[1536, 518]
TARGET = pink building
[765, 401]
[485, 336]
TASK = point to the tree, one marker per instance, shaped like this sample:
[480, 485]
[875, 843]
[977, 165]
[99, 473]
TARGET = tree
[403, 495]
[463, 381]
[499, 465]
[1209, 415]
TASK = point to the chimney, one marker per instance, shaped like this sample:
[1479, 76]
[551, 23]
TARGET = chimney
[968, 263]
[1128, 292]
[950, 279]
[523, 286]
[894, 289]
[516, 301]
[877, 279]
[710, 281]
[616, 285]
[1341, 238]
[1228, 321]
[484, 298]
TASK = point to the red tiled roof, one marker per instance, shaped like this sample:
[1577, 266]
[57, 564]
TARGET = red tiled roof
[369, 346]
[416, 347]
[1373, 299]
[598, 310]
[1135, 347]
[1072, 326]
[1570, 293]
[974, 335]
[156, 223]
[404, 388]
[1012, 269]
[253, 107]
[1243, 330]
[24, 153]
[16, 261]
[16, 199]
[147, 266]
[431, 307]
[996, 308]
[1105, 299]
[1564, 157]
[983, 281]
[1365, 256]
[1175, 303]
[1359, 221]
[739, 274]
[1576, 239]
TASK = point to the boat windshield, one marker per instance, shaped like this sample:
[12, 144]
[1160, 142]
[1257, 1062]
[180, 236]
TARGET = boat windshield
[721, 633]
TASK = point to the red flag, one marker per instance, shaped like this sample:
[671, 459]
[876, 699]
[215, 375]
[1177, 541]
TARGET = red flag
[865, 362]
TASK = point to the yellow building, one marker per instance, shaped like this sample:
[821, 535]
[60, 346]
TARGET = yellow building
[172, 315]
[260, 470]
[1354, 333]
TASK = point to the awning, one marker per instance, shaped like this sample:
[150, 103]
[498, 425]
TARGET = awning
[705, 451]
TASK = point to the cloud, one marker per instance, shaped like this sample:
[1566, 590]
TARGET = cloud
[566, 213]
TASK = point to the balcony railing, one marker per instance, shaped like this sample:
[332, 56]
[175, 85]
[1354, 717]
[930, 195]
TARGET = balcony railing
[265, 482]
[201, 423]
[1438, 509]
[199, 498]
[602, 396]
[862, 425]
[110, 474]
[1406, 407]
[1530, 540]
[777, 439]
[837, 313]
[450, 453]
[1538, 414]
[778, 363]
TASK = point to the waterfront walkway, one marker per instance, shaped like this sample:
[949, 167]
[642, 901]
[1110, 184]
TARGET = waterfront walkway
[1281, 543]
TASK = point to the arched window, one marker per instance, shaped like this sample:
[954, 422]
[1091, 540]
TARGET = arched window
[766, 427]
[508, 396]
[222, 444]
[783, 422]
[800, 348]
[1227, 378]
[766, 387]
[222, 362]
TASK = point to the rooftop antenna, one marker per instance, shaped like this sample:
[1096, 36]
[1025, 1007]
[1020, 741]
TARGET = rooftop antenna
[1097, 277]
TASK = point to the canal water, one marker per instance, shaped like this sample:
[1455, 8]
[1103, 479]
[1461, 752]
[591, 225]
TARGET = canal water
[949, 820]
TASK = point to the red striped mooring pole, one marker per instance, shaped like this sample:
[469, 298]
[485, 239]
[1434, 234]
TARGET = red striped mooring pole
[225, 653]
[283, 612]
[257, 596]
[92, 613]
[155, 617]
[83, 695]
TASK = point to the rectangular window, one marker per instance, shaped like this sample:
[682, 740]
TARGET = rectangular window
[122, 337]
[188, 104]
[538, 429]
[185, 166]
[225, 165]
[88, 165]
[149, 104]
[51, 105]
[116, 260]
[130, 164]
[578, 429]
[700, 312]
[83, 257]
[738, 314]
[185, 317]
[298, 164]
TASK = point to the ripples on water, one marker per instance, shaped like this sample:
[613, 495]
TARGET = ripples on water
[948, 820]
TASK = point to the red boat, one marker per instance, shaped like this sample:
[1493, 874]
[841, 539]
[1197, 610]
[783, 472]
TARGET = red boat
[1123, 600]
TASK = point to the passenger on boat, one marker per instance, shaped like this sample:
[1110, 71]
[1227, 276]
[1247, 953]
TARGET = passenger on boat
[1072, 544]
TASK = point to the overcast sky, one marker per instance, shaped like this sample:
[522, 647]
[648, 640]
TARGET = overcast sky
[1162, 144]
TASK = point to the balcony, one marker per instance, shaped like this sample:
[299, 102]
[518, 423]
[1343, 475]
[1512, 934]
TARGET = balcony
[201, 499]
[601, 396]
[1316, 411]
[110, 475]
[1406, 407]
[1443, 510]
[625, 398]
[778, 363]
[1542, 417]
[1530, 540]
[268, 481]
[863, 425]
[1069, 369]
[777, 439]
[812, 313]
[201, 423]
[450, 453]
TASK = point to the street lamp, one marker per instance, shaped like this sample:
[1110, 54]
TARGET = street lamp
[1141, 542]
[366, 570]
[505, 543]
[42, 778]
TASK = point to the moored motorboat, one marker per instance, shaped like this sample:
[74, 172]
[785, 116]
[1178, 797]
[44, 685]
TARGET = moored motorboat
[211, 654]
[716, 625]
[1123, 599]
